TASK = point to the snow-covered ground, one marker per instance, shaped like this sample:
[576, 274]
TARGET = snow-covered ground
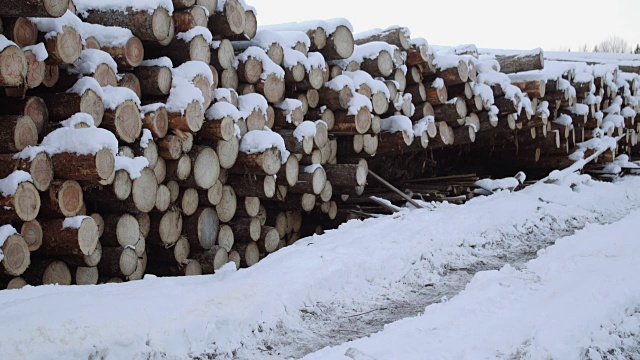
[577, 295]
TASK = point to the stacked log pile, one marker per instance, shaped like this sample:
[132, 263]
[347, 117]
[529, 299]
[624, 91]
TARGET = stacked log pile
[173, 137]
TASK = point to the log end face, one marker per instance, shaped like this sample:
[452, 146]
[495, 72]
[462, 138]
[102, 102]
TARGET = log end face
[25, 134]
[144, 190]
[57, 273]
[105, 163]
[88, 236]
[128, 123]
[128, 261]
[41, 170]
[363, 120]
[236, 19]
[56, 8]
[17, 256]
[27, 201]
[319, 180]
[92, 104]
[161, 24]
[343, 41]
[134, 52]
[206, 168]
[68, 45]
[272, 161]
[70, 198]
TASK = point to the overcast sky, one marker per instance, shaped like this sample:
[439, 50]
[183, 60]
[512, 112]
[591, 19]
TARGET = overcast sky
[505, 24]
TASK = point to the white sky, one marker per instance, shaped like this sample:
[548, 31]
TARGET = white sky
[506, 24]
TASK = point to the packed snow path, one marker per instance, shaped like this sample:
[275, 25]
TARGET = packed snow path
[297, 300]
[579, 299]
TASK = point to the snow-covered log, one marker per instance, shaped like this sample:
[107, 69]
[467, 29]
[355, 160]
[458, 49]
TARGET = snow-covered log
[16, 257]
[228, 19]
[37, 8]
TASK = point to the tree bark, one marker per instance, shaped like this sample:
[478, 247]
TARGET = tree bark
[59, 241]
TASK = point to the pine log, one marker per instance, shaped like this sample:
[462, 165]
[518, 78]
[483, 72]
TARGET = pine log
[267, 162]
[189, 17]
[85, 260]
[131, 82]
[217, 129]
[85, 275]
[189, 120]
[179, 170]
[124, 121]
[249, 71]
[212, 259]
[226, 239]
[436, 95]
[348, 124]
[154, 80]
[46, 272]
[62, 199]
[17, 132]
[231, 21]
[63, 47]
[418, 93]
[311, 180]
[272, 88]
[58, 240]
[92, 167]
[533, 88]
[227, 152]
[181, 51]
[347, 175]
[454, 75]
[165, 228]
[340, 44]
[398, 36]
[40, 168]
[118, 261]
[157, 121]
[120, 230]
[34, 8]
[62, 106]
[188, 200]
[451, 111]
[170, 147]
[263, 187]
[23, 204]
[205, 168]
[36, 71]
[127, 56]
[222, 55]
[31, 232]
[16, 255]
[228, 204]
[12, 283]
[249, 253]
[269, 239]
[335, 100]
[201, 228]
[155, 27]
[526, 61]
[325, 114]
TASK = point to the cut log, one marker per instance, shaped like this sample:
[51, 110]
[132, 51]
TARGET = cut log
[20, 30]
[272, 88]
[249, 71]
[17, 132]
[267, 162]
[222, 55]
[170, 147]
[153, 26]
[231, 21]
[127, 56]
[34, 8]
[120, 230]
[16, 255]
[157, 121]
[59, 240]
[245, 229]
[63, 47]
[335, 99]
[62, 199]
[347, 175]
[228, 204]
[154, 80]
[23, 204]
[249, 253]
[349, 124]
[92, 167]
[118, 261]
[189, 17]
[526, 61]
[46, 272]
[311, 180]
[84, 275]
[226, 238]
[165, 228]
[212, 259]
[131, 82]
[397, 36]
[436, 94]
[62, 106]
[124, 121]
[188, 201]
[453, 110]
[217, 129]
[180, 51]
[40, 168]
[269, 239]
[85, 260]
[179, 170]
[31, 232]
[201, 228]
[340, 44]
[263, 187]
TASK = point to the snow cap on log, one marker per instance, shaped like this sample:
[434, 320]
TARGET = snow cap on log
[9, 185]
[145, 138]
[250, 102]
[358, 101]
[268, 66]
[84, 6]
[162, 61]
[368, 51]
[39, 50]
[133, 166]
[329, 25]
[80, 141]
[339, 82]
[196, 31]
[397, 123]
[52, 26]
[306, 129]
[108, 36]
[116, 95]
[264, 38]
[360, 77]
[87, 83]
[257, 141]
[5, 232]
[289, 105]
[221, 110]
[182, 94]
[190, 69]
[224, 94]
[73, 222]
[89, 60]
[77, 119]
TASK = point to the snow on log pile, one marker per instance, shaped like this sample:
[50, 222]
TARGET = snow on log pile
[170, 138]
